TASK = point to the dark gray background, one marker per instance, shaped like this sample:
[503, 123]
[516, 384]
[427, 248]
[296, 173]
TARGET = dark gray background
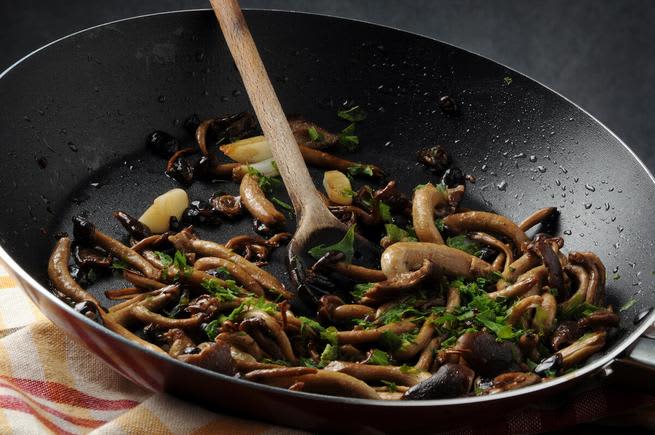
[598, 53]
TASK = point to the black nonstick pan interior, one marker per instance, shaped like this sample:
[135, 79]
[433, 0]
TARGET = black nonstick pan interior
[75, 115]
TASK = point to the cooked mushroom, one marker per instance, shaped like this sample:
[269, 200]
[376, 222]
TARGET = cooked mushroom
[331, 308]
[179, 342]
[399, 283]
[358, 273]
[405, 257]
[228, 206]
[142, 281]
[212, 356]
[377, 373]
[178, 168]
[360, 336]
[258, 205]
[537, 217]
[427, 355]
[321, 139]
[256, 323]
[518, 267]
[517, 289]
[320, 159]
[390, 195]
[582, 348]
[186, 241]
[451, 380]
[596, 289]
[342, 212]
[119, 329]
[544, 316]
[493, 242]
[60, 275]
[566, 333]
[582, 277]
[335, 383]
[86, 231]
[419, 343]
[544, 248]
[487, 222]
[144, 315]
[225, 129]
[242, 341]
[235, 271]
[521, 307]
[454, 299]
[252, 248]
[278, 372]
[487, 356]
[512, 381]
[599, 319]
[435, 158]
[426, 199]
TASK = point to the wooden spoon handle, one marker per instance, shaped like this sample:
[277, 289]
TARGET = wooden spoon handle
[269, 112]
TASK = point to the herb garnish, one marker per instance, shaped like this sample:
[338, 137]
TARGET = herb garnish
[345, 245]
[353, 114]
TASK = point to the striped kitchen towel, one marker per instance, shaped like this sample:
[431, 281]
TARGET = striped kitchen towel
[50, 384]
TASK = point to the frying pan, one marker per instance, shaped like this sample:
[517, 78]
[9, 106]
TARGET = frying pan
[74, 114]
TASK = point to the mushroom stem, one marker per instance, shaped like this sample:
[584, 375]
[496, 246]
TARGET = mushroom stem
[420, 342]
[426, 199]
[61, 277]
[358, 273]
[142, 281]
[583, 348]
[521, 307]
[320, 159]
[187, 242]
[489, 240]
[239, 274]
[405, 257]
[454, 299]
[427, 355]
[257, 204]
[517, 289]
[487, 222]
[597, 275]
[399, 283]
[144, 315]
[376, 373]
[537, 217]
[360, 336]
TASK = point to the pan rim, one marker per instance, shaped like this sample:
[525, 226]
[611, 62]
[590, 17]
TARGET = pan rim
[22, 276]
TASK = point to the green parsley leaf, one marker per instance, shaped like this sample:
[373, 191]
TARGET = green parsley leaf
[507, 80]
[165, 259]
[330, 335]
[345, 245]
[397, 234]
[119, 265]
[390, 341]
[391, 386]
[448, 342]
[267, 184]
[361, 289]
[306, 322]
[463, 243]
[227, 293]
[353, 114]
[279, 362]
[330, 353]
[314, 135]
[359, 169]
[627, 305]
[211, 329]
[385, 212]
[439, 223]
[616, 277]
[408, 370]
[379, 358]
[308, 362]
[282, 204]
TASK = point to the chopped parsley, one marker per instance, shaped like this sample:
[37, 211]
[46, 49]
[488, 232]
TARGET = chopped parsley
[627, 305]
[507, 80]
[463, 243]
[119, 265]
[330, 353]
[378, 358]
[282, 204]
[267, 184]
[211, 329]
[361, 289]
[229, 292]
[348, 139]
[359, 169]
[353, 114]
[385, 212]
[314, 135]
[397, 234]
[165, 259]
[439, 223]
[390, 341]
[391, 386]
[329, 334]
[345, 245]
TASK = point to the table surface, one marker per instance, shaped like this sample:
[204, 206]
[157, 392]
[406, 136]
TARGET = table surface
[598, 53]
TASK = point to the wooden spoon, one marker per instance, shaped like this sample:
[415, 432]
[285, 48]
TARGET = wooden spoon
[315, 223]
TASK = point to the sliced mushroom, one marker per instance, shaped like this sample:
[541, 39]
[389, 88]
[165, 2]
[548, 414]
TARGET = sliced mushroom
[544, 248]
[336, 384]
[228, 206]
[521, 307]
[178, 342]
[544, 316]
[186, 241]
[358, 273]
[451, 380]
[144, 315]
[278, 372]
[405, 257]
[142, 281]
[579, 296]
[119, 329]
[537, 217]
[60, 275]
[487, 222]
[600, 319]
[378, 373]
[132, 225]
[426, 199]
[454, 299]
[258, 205]
[566, 333]
[235, 271]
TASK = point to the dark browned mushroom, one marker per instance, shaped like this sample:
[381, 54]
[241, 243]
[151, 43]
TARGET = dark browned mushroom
[450, 380]
[597, 274]
[260, 325]
[567, 332]
[322, 139]
[244, 342]
[397, 200]
[512, 381]
[178, 342]
[212, 356]
[543, 247]
[487, 356]
[600, 319]
[228, 206]
[537, 217]
[320, 159]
